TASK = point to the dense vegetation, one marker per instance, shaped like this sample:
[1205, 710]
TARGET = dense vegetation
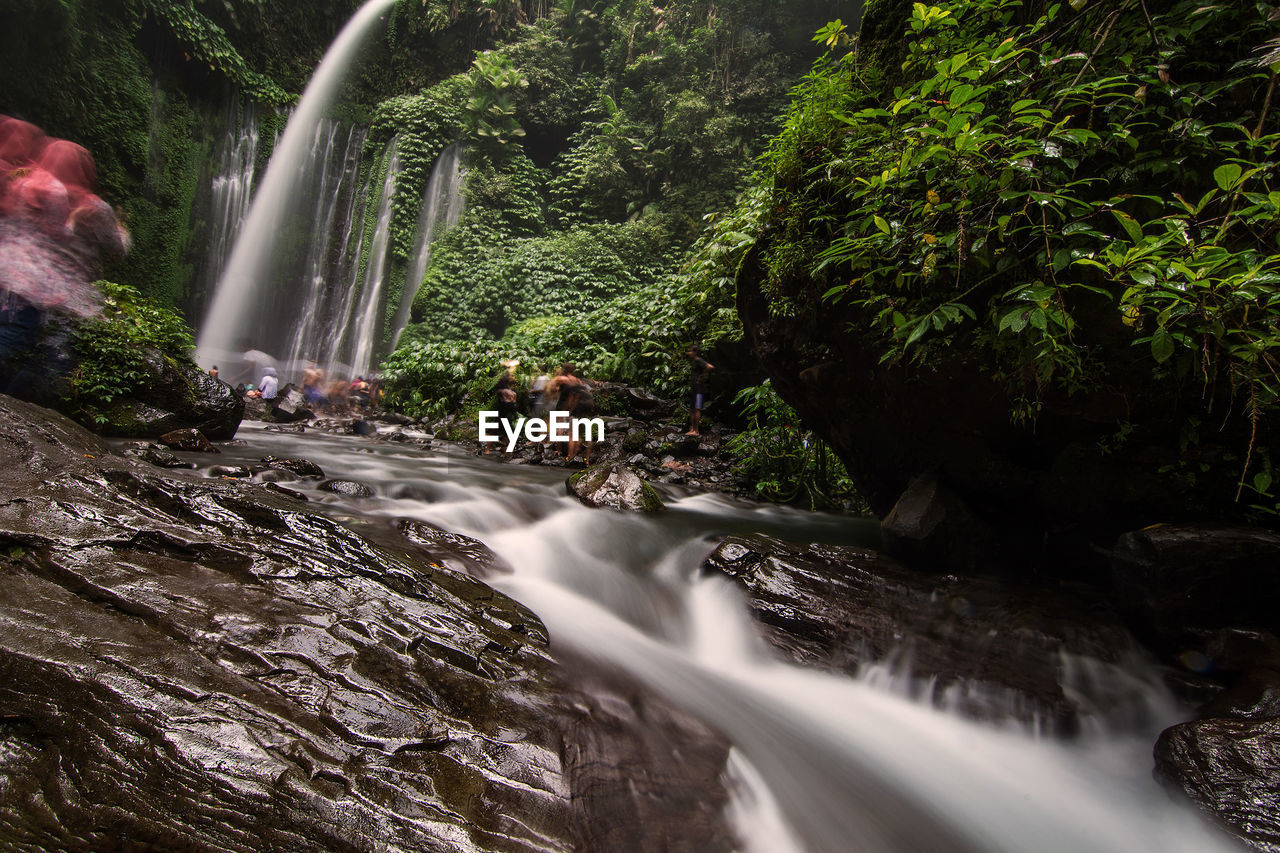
[1043, 186]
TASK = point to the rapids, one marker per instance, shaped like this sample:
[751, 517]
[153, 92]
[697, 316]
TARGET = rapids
[819, 762]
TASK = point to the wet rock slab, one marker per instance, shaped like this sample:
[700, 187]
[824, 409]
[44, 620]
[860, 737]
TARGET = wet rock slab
[982, 647]
[203, 665]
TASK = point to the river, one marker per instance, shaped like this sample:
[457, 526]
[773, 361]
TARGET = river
[819, 762]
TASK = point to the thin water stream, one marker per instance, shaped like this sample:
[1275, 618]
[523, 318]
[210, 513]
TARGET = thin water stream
[819, 762]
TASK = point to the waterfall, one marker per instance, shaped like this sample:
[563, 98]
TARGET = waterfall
[231, 186]
[241, 315]
[367, 325]
[441, 207]
[318, 311]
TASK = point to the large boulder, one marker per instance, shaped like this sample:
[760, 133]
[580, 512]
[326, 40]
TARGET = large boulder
[615, 487]
[1077, 470]
[205, 664]
[175, 395]
[1228, 767]
[1184, 580]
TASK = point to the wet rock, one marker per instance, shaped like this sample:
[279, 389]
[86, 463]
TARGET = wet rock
[641, 404]
[301, 467]
[393, 418]
[347, 488]
[190, 440]
[175, 395]
[162, 456]
[188, 663]
[1254, 694]
[983, 647]
[232, 471]
[1178, 580]
[290, 408]
[362, 427]
[1229, 768]
[453, 550]
[634, 440]
[930, 526]
[614, 486]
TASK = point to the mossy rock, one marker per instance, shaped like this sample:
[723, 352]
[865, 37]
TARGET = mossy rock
[615, 487]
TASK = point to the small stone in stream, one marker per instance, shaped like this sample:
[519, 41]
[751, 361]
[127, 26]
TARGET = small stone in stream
[191, 440]
[157, 455]
[281, 490]
[347, 488]
[237, 471]
[301, 467]
[614, 486]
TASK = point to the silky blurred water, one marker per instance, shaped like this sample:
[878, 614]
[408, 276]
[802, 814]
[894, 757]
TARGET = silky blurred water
[819, 762]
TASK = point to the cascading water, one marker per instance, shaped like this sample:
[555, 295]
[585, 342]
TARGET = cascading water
[819, 762]
[231, 188]
[441, 207]
[237, 318]
[318, 311]
[365, 332]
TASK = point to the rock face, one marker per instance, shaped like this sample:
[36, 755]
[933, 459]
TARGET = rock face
[837, 607]
[204, 665]
[614, 486]
[1070, 480]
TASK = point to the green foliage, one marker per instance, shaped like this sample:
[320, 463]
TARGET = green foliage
[208, 43]
[112, 349]
[787, 463]
[1042, 186]
[490, 112]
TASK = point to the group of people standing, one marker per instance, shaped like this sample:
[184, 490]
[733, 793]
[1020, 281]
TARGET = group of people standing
[318, 392]
[561, 391]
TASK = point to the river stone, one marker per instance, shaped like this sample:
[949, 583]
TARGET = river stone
[347, 488]
[987, 649]
[1230, 768]
[234, 471]
[191, 440]
[301, 467]
[1183, 580]
[615, 487]
[163, 457]
[931, 527]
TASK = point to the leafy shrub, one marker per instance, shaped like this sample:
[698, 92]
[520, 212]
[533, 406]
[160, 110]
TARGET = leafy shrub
[1042, 186]
[112, 349]
[788, 463]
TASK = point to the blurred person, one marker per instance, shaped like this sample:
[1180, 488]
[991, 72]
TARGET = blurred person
[698, 370]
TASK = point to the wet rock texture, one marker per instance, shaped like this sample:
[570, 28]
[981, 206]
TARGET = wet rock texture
[970, 640]
[615, 487]
[1231, 769]
[172, 396]
[203, 665]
